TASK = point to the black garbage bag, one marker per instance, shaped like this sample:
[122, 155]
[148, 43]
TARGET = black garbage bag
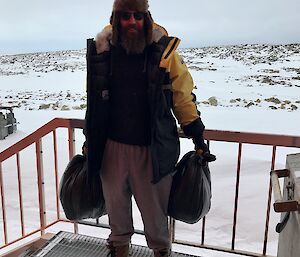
[81, 196]
[190, 196]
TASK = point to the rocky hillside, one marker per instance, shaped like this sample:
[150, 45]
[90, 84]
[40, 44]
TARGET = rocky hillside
[262, 76]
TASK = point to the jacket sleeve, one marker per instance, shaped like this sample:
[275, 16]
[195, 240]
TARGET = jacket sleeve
[184, 106]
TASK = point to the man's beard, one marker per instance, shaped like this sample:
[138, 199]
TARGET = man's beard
[133, 43]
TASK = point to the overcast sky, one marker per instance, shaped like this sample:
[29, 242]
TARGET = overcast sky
[44, 25]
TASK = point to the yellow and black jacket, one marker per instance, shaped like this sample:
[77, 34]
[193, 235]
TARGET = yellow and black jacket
[170, 88]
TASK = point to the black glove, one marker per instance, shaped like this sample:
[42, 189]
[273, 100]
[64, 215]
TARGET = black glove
[200, 144]
[202, 149]
[195, 130]
[209, 157]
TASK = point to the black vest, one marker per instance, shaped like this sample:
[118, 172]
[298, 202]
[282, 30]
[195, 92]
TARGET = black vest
[129, 121]
[164, 140]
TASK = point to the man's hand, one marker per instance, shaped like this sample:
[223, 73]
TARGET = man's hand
[202, 149]
[207, 156]
[195, 130]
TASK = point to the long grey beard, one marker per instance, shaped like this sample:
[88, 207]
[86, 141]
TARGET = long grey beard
[134, 45]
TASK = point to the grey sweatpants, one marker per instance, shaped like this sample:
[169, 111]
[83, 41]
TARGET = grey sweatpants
[126, 171]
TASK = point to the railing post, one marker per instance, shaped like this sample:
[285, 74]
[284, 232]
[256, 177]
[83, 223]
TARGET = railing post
[56, 174]
[20, 194]
[75, 228]
[236, 200]
[203, 230]
[40, 177]
[71, 139]
[171, 229]
[3, 205]
[269, 204]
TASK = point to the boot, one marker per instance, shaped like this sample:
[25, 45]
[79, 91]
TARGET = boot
[118, 251]
[162, 253]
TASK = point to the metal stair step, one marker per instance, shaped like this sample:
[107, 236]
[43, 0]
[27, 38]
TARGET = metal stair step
[66, 244]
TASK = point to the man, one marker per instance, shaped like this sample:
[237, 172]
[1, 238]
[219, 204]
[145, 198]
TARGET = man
[136, 80]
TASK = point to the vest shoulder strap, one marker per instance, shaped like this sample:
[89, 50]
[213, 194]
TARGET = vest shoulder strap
[168, 52]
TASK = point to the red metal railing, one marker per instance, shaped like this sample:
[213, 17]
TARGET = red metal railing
[72, 124]
[36, 138]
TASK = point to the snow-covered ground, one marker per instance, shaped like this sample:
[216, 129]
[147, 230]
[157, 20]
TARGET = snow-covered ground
[252, 88]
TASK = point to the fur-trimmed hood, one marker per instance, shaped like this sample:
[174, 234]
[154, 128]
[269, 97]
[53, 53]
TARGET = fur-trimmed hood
[104, 38]
[138, 5]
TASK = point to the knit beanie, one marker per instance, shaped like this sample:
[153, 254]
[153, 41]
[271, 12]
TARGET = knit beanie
[134, 5]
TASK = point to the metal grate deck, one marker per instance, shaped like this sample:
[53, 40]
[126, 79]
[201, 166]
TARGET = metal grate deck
[65, 244]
